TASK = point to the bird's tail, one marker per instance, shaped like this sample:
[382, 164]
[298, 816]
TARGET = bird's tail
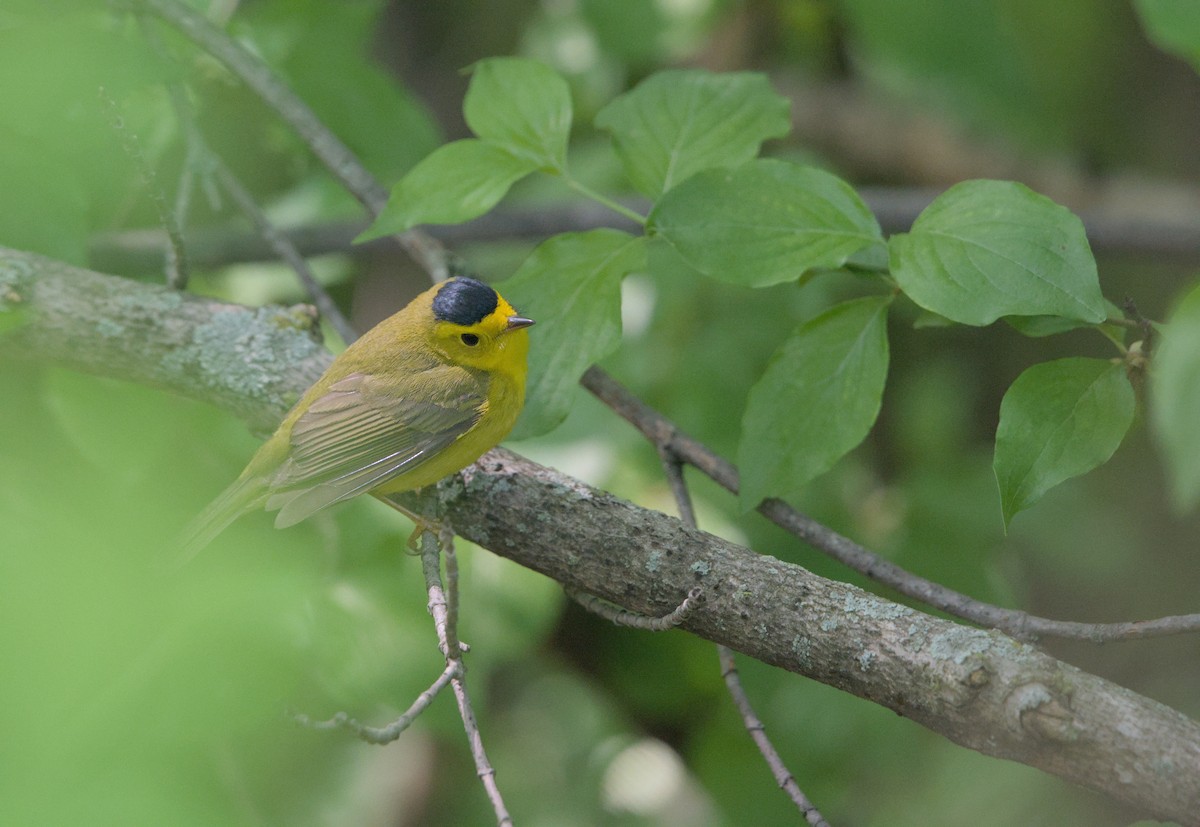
[241, 496]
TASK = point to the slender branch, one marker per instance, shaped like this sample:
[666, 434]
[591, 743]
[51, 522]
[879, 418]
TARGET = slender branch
[177, 274]
[141, 251]
[444, 610]
[446, 541]
[336, 156]
[633, 620]
[783, 776]
[445, 624]
[390, 732]
[176, 263]
[198, 152]
[184, 192]
[665, 435]
[673, 469]
[286, 251]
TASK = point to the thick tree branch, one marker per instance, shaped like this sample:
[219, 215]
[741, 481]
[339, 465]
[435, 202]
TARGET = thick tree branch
[978, 688]
[226, 354]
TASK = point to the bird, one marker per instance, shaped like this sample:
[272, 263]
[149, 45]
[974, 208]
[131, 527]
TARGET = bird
[420, 396]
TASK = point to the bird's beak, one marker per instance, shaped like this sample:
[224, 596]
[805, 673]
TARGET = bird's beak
[517, 322]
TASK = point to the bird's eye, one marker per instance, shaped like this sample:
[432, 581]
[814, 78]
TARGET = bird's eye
[469, 339]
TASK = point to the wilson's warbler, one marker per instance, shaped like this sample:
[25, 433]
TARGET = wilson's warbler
[421, 395]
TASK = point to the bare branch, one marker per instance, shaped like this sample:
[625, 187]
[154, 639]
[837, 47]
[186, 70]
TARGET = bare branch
[286, 251]
[390, 732]
[443, 608]
[231, 356]
[664, 434]
[174, 253]
[673, 469]
[624, 617]
[783, 776]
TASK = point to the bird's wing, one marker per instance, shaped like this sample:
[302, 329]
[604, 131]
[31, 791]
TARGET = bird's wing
[359, 435]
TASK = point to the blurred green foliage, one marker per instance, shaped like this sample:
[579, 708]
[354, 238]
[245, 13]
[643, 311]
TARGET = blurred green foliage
[140, 693]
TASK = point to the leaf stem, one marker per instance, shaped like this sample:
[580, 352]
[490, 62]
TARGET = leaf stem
[588, 192]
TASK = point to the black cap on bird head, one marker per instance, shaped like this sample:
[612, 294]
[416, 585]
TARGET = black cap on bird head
[464, 301]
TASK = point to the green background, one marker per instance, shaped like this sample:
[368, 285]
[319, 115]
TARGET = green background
[134, 693]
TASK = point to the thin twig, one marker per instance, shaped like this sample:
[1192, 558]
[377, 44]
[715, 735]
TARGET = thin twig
[673, 469]
[186, 187]
[633, 620]
[192, 153]
[662, 432]
[175, 254]
[783, 776]
[286, 250]
[446, 624]
[483, 767]
[446, 541]
[392, 731]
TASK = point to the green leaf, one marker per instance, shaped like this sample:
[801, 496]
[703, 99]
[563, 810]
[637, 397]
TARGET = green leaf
[986, 249]
[677, 123]
[765, 222]
[522, 106]
[1175, 400]
[1058, 420]
[930, 321]
[1039, 326]
[571, 285]
[457, 182]
[818, 398]
[1173, 25]
[1035, 327]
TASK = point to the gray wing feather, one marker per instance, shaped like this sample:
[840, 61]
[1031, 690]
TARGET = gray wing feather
[354, 438]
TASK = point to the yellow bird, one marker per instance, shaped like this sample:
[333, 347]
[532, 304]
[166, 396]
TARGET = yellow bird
[421, 395]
